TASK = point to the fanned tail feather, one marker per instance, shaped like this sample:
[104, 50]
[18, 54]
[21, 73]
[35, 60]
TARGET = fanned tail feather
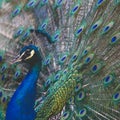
[79, 42]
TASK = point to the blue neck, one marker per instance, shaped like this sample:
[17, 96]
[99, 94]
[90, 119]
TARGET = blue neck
[22, 102]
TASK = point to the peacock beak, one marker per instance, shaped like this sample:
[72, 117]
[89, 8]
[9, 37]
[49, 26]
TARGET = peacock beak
[17, 59]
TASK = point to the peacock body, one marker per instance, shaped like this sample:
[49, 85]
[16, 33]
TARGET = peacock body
[78, 62]
[25, 93]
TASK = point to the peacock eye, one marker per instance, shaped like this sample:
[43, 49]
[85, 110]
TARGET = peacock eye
[26, 54]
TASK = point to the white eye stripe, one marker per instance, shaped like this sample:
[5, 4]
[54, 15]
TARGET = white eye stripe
[22, 54]
[31, 54]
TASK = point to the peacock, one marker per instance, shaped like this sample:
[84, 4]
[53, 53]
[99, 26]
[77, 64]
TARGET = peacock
[30, 55]
[69, 50]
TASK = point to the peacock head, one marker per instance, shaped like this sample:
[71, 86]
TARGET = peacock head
[29, 54]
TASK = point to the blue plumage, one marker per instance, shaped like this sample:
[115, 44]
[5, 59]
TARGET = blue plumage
[21, 106]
